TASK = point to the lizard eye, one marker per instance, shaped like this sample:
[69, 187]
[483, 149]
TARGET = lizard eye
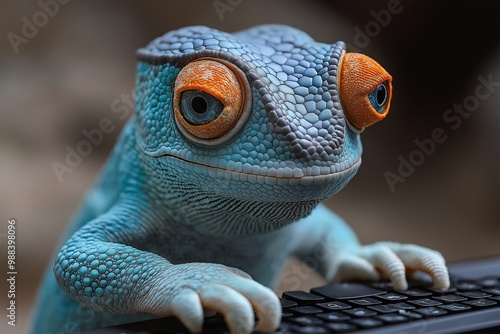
[198, 107]
[210, 101]
[378, 97]
[365, 90]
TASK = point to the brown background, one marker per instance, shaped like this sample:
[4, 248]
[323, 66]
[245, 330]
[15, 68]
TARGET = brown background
[65, 79]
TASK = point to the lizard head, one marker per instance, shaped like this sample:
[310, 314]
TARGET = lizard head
[266, 114]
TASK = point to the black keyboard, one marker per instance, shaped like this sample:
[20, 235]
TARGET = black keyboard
[370, 309]
[378, 308]
[471, 305]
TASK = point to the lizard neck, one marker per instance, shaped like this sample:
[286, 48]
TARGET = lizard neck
[231, 217]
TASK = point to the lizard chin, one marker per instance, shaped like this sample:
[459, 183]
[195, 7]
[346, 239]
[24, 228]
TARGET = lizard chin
[224, 203]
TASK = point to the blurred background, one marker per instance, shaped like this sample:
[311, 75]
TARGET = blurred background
[61, 72]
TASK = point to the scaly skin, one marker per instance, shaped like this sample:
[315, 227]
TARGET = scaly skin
[187, 217]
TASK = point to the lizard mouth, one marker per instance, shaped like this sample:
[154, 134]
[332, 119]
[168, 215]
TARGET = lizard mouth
[285, 176]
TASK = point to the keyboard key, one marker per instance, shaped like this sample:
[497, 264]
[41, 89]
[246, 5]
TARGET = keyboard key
[306, 320]
[383, 308]
[384, 285]
[456, 307]
[450, 298]
[410, 314]
[333, 306]
[426, 302]
[431, 311]
[402, 306]
[286, 314]
[490, 282]
[467, 285]
[347, 291]
[392, 318]
[391, 296]
[286, 327]
[390, 308]
[415, 293]
[313, 330]
[287, 303]
[302, 297]
[333, 316]
[367, 322]
[493, 291]
[474, 294]
[451, 289]
[340, 327]
[495, 298]
[364, 301]
[481, 302]
[304, 310]
[419, 279]
[360, 312]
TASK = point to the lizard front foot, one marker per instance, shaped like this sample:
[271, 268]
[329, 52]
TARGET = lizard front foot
[391, 260]
[187, 289]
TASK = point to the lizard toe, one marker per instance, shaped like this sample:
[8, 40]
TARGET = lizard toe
[186, 306]
[388, 262]
[235, 308]
[427, 260]
[264, 302]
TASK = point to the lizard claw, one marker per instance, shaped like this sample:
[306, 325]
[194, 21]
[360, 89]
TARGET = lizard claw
[426, 260]
[236, 309]
[264, 302]
[187, 308]
[392, 260]
[195, 289]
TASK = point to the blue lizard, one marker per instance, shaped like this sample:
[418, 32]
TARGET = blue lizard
[218, 179]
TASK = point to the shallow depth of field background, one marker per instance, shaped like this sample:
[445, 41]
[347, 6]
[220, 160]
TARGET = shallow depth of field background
[66, 77]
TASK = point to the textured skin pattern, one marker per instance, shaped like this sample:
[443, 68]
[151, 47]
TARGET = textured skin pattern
[173, 227]
[295, 78]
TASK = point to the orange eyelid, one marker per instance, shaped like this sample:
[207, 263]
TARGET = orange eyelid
[359, 76]
[218, 80]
